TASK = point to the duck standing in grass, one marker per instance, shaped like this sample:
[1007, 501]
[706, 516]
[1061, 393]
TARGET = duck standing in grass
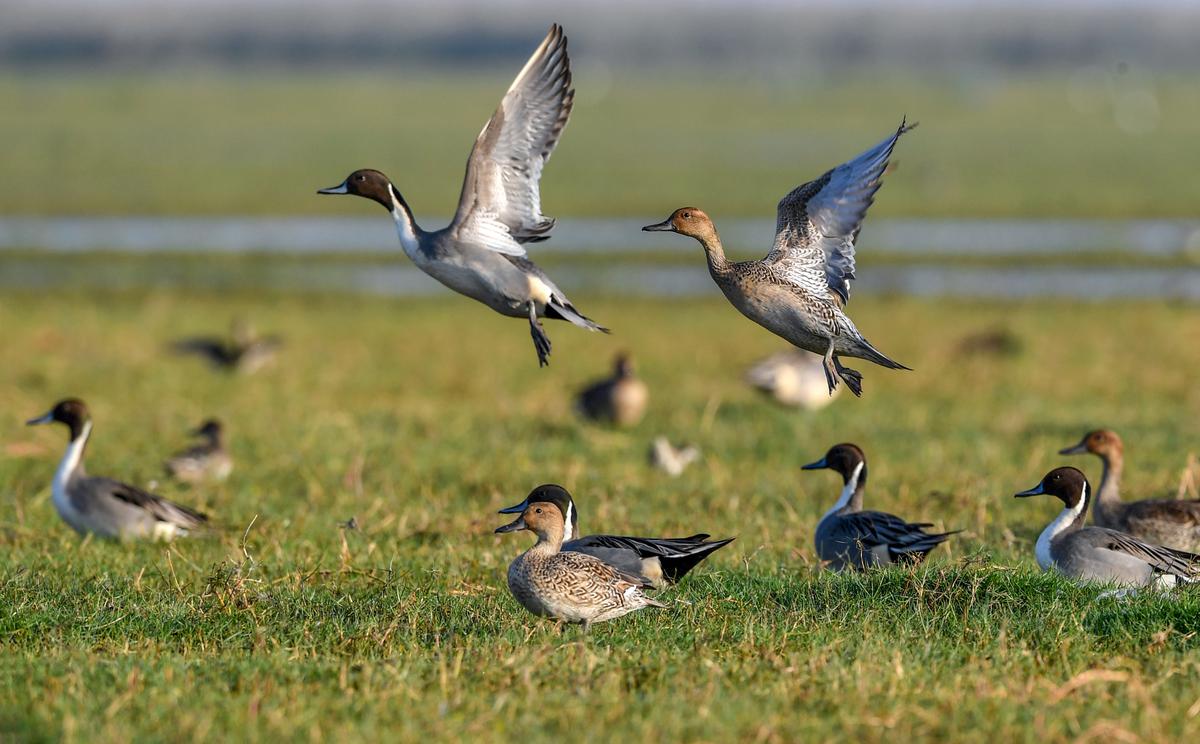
[568, 586]
[849, 538]
[1174, 523]
[102, 506]
[481, 254]
[208, 461]
[619, 400]
[664, 560]
[800, 290]
[1100, 555]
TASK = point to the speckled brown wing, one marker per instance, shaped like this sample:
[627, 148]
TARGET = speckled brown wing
[1175, 523]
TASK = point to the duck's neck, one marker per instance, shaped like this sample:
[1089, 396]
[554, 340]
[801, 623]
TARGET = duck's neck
[72, 462]
[549, 542]
[406, 226]
[851, 499]
[718, 265]
[1108, 497]
[215, 440]
[1069, 519]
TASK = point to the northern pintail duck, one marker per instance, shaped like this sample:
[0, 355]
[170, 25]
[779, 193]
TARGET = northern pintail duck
[849, 538]
[1171, 522]
[663, 560]
[208, 461]
[1098, 554]
[481, 253]
[620, 399]
[102, 506]
[670, 459]
[569, 586]
[244, 351]
[793, 378]
[800, 289]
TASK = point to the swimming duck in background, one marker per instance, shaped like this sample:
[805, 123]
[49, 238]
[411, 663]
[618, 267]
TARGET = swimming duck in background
[800, 290]
[1170, 522]
[209, 461]
[245, 351]
[1098, 554]
[102, 506]
[569, 586]
[619, 400]
[849, 538]
[481, 253]
[793, 378]
[670, 459]
[664, 560]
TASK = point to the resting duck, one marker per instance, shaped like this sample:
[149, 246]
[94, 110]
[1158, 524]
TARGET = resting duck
[793, 378]
[1170, 522]
[244, 351]
[569, 586]
[209, 461]
[849, 538]
[102, 506]
[800, 290]
[664, 560]
[619, 400]
[1098, 554]
[481, 253]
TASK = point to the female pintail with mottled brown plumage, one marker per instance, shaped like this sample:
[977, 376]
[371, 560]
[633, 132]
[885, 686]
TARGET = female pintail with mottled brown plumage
[663, 560]
[620, 399]
[849, 538]
[568, 586]
[800, 290]
[102, 506]
[1174, 523]
[1097, 554]
[481, 254]
[208, 461]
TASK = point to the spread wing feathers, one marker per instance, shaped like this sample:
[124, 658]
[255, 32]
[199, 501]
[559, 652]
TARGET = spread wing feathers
[873, 528]
[1163, 560]
[156, 506]
[817, 223]
[500, 192]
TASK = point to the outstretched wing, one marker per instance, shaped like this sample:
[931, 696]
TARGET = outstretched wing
[501, 206]
[817, 223]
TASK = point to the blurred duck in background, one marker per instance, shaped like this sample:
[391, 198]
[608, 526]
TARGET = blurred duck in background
[793, 378]
[245, 351]
[207, 461]
[619, 400]
[670, 459]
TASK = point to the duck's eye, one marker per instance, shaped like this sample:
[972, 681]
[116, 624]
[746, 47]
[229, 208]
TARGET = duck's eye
[539, 511]
[362, 178]
[687, 215]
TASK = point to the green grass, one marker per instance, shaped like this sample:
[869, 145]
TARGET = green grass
[260, 143]
[421, 418]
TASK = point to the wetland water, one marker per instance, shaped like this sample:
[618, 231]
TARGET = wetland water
[31, 256]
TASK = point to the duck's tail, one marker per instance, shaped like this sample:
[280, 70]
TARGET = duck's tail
[560, 308]
[871, 354]
[683, 558]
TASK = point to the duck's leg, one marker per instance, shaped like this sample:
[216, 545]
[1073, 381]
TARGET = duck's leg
[852, 377]
[541, 341]
[831, 375]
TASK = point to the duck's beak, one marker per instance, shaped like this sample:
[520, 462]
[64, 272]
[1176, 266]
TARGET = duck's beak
[664, 226]
[818, 465]
[1035, 491]
[1079, 449]
[339, 189]
[48, 418]
[515, 509]
[513, 526]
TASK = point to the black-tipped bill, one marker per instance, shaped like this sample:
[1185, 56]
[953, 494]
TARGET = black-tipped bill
[1037, 490]
[339, 189]
[48, 418]
[664, 226]
[513, 526]
[1079, 449]
[818, 465]
[515, 509]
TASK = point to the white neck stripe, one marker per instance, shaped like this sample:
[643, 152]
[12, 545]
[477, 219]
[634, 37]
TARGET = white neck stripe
[1064, 520]
[847, 490]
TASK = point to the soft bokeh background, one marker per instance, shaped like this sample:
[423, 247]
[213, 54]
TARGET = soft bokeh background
[1034, 255]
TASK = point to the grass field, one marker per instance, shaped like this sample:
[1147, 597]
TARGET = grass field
[260, 143]
[421, 418]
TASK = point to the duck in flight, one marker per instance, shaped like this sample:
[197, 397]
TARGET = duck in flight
[481, 253]
[799, 291]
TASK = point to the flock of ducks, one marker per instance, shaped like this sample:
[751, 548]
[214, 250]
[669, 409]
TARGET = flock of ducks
[799, 292]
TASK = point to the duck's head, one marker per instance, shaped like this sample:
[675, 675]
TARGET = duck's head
[543, 518]
[1102, 442]
[552, 494]
[1068, 484]
[846, 458]
[623, 365]
[210, 429]
[688, 221]
[367, 183]
[72, 412]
